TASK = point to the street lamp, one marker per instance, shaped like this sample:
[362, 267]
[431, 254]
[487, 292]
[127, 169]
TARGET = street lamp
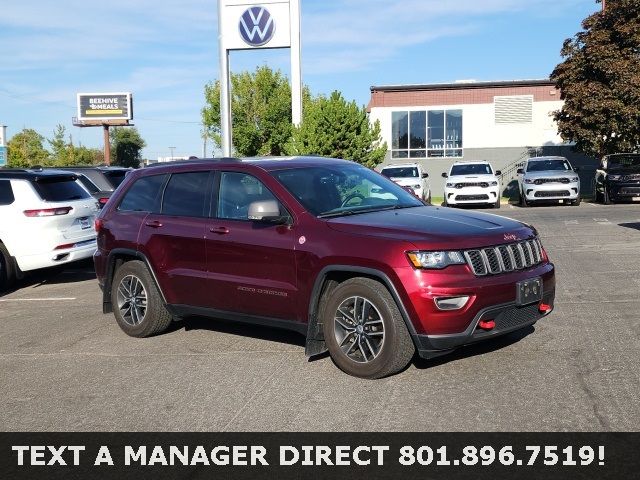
[172, 149]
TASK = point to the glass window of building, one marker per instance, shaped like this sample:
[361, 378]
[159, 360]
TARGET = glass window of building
[420, 134]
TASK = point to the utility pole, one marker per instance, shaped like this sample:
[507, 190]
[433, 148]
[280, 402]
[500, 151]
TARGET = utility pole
[172, 149]
[107, 145]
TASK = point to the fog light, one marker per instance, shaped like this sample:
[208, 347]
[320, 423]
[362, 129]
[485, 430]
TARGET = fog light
[451, 303]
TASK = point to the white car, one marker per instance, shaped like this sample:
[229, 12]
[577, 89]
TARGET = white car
[472, 183]
[410, 175]
[46, 219]
[548, 179]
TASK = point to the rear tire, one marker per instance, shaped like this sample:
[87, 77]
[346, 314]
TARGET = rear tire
[364, 330]
[7, 269]
[137, 304]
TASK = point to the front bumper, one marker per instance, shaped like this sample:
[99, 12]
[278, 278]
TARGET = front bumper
[624, 191]
[551, 191]
[507, 317]
[471, 195]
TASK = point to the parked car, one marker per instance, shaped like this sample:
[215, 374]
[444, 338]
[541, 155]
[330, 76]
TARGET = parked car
[301, 243]
[548, 179]
[472, 182]
[99, 181]
[46, 219]
[410, 175]
[618, 178]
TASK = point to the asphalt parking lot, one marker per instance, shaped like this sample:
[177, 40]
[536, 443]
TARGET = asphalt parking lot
[66, 366]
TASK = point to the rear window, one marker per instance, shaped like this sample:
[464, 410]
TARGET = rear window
[60, 189]
[6, 193]
[186, 195]
[88, 184]
[115, 177]
[143, 195]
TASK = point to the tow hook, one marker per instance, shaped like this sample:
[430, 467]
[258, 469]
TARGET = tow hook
[487, 324]
[544, 308]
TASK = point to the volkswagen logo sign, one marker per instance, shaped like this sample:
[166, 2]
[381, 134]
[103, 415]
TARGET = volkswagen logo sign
[256, 26]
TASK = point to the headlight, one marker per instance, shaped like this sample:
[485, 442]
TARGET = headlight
[435, 259]
[574, 179]
[493, 184]
[450, 185]
[528, 180]
[615, 178]
[416, 187]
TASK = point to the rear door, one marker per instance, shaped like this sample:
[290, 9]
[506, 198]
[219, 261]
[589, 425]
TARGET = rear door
[174, 238]
[251, 264]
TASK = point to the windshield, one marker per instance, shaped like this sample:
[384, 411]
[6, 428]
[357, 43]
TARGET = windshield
[545, 165]
[328, 191]
[623, 162]
[471, 169]
[400, 172]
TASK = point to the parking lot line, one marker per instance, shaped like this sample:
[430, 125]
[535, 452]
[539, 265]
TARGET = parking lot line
[54, 299]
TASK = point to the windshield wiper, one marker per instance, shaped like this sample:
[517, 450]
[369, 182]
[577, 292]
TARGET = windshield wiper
[364, 210]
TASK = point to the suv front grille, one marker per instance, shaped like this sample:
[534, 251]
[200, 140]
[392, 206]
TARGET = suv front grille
[540, 181]
[504, 258]
[472, 184]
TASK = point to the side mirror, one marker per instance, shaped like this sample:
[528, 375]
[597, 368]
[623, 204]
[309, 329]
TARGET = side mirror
[576, 169]
[498, 173]
[521, 170]
[445, 175]
[266, 211]
[425, 175]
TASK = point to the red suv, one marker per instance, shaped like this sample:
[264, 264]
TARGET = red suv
[324, 247]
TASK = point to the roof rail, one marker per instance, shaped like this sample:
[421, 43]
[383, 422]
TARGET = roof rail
[195, 161]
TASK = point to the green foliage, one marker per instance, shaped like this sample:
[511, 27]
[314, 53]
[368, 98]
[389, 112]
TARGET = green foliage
[261, 106]
[126, 146]
[333, 127]
[600, 81]
[26, 149]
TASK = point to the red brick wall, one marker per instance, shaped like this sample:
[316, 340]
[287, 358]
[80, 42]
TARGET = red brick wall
[458, 96]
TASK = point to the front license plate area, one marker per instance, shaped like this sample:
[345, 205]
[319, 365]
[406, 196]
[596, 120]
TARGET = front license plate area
[529, 291]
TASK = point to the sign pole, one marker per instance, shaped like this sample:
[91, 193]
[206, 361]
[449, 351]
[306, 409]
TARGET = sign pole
[225, 103]
[296, 70]
[107, 145]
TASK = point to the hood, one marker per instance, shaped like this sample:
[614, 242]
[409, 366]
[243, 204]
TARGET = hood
[435, 228]
[407, 181]
[551, 174]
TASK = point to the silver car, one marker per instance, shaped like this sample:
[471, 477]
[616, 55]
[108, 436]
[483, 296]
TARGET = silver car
[548, 179]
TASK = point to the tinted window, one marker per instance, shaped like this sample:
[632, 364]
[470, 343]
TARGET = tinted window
[471, 169]
[115, 177]
[144, 194]
[622, 162]
[88, 184]
[186, 195]
[400, 172]
[343, 190]
[60, 189]
[237, 192]
[545, 165]
[6, 193]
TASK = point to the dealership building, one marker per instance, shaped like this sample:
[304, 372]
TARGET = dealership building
[503, 122]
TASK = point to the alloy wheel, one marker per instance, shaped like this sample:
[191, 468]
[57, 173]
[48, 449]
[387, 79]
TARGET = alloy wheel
[132, 300]
[359, 329]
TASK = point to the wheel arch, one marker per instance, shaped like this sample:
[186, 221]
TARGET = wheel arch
[330, 277]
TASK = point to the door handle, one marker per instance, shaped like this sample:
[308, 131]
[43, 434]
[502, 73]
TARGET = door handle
[153, 224]
[219, 230]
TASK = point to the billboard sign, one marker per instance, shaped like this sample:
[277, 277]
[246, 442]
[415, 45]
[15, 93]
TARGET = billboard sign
[3, 156]
[105, 106]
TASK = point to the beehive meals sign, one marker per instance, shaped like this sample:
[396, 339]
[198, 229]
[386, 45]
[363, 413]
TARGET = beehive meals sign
[104, 106]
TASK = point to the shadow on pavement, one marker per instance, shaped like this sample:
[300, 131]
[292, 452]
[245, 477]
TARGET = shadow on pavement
[80, 271]
[476, 349]
[634, 225]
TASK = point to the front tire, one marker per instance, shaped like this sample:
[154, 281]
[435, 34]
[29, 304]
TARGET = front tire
[364, 330]
[523, 200]
[137, 304]
[606, 199]
[497, 204]
[576, 202]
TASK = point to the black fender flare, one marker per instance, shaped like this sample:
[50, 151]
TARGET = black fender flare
[315, 344]
[111, 263]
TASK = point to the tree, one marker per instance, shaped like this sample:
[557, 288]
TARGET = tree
[59, 146]
[126, 146]
[25, 149]
[261, 112]
[333, 127]
[599, 80]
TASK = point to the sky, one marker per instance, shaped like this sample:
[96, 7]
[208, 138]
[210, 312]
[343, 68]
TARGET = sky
[165, 51]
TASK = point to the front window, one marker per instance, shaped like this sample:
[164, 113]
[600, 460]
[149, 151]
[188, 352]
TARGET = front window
[623, 162]
[420, 134]
[334, 191]
[471, 169]
[238, 192]
[547, 165]
[400, 172]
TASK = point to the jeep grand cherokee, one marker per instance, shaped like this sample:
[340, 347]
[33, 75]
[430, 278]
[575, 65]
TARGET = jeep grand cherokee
[325, 247]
